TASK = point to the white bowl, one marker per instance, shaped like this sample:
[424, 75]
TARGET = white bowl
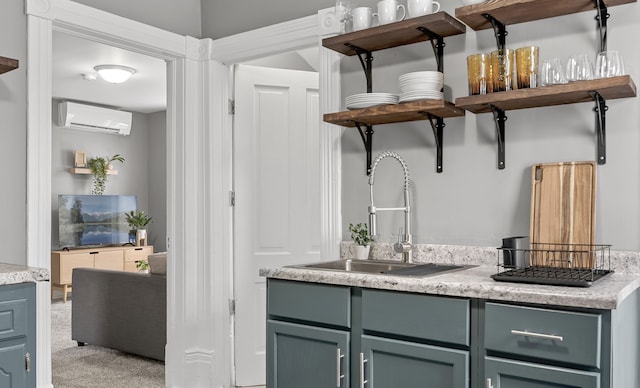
[421, 86]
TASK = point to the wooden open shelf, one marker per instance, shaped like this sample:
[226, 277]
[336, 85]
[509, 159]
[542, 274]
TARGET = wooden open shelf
[571, 93]
[403, 112]
[396, 34]
[520, 11]
[7, 64]
[76, 170]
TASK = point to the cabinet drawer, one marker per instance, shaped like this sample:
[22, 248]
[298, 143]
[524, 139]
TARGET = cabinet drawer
[311, 302]
[428, 317]
[13, 318]
[547, 334]
[108, 260]
[138, 253]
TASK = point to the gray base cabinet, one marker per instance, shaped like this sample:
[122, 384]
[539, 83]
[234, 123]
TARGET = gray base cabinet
[17, 336]
[339, 336]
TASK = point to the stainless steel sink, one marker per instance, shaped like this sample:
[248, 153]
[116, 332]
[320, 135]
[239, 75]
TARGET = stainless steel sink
[384, 267]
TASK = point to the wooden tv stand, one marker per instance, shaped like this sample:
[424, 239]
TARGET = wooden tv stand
[116, 258]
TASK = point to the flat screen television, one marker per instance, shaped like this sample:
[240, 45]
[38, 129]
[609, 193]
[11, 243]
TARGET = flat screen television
[94, 220]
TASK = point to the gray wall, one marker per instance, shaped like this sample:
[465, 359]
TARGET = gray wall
[132, 176]
[224, 18]
[13, 139]
[181, 17]
[157, 180]
[472, 202]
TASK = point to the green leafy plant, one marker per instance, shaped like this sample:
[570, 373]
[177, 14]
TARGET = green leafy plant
[137, 220]
[360, 234]
[142, 265]
[99, 167]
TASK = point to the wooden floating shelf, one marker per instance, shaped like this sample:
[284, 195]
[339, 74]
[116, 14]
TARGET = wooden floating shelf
[395, 34]
[77, 170]
[8, 64]
[571, 93]
[520, 11]
[403, 112]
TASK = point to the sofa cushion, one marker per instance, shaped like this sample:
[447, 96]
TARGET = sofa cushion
[158, 263]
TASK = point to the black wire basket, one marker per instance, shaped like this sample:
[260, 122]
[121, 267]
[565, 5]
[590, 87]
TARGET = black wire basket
[577, 265]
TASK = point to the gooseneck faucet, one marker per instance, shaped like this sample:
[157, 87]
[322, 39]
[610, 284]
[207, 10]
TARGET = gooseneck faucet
[403, 245]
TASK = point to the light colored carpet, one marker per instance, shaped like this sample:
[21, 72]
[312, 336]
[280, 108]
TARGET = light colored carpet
[93, 366]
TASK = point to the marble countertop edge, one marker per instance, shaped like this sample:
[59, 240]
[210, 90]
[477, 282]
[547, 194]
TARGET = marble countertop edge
[606, 294]
[14, 274]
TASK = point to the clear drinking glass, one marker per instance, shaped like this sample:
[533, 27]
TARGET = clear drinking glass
[343, 14]
[579, 68]
[609, 64]
[551, 72]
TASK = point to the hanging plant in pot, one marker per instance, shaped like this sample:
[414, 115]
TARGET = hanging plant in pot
[99, 167]
[138, 223]
[362, 239]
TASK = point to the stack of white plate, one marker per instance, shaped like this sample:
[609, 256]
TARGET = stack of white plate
[421, 85]
[367, 100]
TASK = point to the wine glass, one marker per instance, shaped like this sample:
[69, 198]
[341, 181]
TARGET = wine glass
[343, 14]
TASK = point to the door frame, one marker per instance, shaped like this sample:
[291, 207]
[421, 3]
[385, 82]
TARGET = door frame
[281, 38]
[199, 223]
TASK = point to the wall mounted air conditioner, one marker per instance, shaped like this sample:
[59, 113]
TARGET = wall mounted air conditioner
[93, 118]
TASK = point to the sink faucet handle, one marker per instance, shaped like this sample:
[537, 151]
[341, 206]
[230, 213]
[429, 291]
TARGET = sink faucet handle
[402, 246]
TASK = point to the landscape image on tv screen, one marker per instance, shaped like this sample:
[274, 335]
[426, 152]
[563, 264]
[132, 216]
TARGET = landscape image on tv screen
[94, 220]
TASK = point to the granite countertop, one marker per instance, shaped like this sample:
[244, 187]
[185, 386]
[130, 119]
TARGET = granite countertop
[14, 274]
[607, 293]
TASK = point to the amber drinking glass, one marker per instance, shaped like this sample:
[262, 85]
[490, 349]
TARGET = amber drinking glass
[478, 70]
[527, 67]
[503, 69]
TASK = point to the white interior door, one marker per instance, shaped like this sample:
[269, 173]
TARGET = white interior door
[277, 191]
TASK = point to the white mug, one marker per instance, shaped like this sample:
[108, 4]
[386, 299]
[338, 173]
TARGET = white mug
[388, 11]
[361, 18]
[417, 8]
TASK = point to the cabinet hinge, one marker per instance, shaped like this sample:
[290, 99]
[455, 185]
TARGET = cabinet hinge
[232, 198]
[232, 306]
[232, 107]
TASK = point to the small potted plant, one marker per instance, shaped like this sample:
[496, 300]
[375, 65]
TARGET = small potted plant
[142, 266]
[99, 167]
[138, 222]
[362, 239]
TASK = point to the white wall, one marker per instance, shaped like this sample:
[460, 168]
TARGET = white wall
[472, 202]
[132, 176]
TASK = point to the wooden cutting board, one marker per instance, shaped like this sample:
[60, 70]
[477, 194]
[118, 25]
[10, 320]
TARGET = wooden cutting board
[563, 201]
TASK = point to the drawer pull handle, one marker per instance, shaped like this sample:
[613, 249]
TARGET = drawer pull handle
[538, 335]
[489, 384]
[339, 375]
[362, 362]
[27, 362]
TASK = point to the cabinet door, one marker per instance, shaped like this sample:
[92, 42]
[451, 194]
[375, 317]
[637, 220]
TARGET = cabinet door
[73, 260]
[13, 373]
[306, 356]
[389, 363]
[516, 374]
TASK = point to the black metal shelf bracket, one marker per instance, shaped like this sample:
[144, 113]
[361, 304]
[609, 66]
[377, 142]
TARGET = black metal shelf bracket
[437, 43]
[601, 18]
[366, 60]
[499, 117]
[367, 140]
[601, 121]
[499, 30]
[437, 125]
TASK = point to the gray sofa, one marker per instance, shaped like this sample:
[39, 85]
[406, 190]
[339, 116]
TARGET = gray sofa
[126, 311]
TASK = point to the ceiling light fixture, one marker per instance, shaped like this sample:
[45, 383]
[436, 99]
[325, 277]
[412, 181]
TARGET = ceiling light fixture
[115, 74]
